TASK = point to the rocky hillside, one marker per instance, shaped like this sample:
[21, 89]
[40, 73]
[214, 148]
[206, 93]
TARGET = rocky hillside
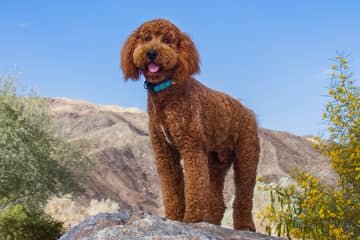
[125, 170]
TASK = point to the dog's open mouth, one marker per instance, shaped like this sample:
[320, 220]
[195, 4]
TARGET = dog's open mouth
[153, 68]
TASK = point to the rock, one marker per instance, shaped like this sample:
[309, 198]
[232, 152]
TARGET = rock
[138, 225]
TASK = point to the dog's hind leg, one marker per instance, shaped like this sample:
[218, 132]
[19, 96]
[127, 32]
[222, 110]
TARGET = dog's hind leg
[245, 165]
[217, 173]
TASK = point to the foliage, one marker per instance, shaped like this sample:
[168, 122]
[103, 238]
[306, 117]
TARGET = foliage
[18, 223]
[34, 164]
[308, 209]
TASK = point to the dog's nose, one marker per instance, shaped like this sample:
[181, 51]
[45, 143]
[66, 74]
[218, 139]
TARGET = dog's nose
[152, 54]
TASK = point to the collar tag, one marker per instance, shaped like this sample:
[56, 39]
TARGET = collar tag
[159, 86]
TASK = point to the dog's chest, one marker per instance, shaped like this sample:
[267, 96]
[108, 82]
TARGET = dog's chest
[163, 128]
[169, 122]
[166, 134]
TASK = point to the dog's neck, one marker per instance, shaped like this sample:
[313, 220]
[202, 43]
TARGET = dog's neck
[169, 95]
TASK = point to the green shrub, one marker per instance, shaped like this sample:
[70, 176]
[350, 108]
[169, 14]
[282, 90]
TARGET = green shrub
[18, 223]
[308, 209]
[34, 163]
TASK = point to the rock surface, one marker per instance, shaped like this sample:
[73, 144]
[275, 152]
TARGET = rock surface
[125, 171]
[138, 225]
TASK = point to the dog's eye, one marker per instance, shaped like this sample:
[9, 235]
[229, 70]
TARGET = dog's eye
[147, 38]
[166, 40]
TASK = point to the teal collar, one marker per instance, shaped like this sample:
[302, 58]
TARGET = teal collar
[158, 87]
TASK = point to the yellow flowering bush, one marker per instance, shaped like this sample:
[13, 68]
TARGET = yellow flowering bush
[308, 209]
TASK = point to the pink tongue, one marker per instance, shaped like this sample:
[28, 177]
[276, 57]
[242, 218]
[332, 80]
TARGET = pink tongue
[153, 67]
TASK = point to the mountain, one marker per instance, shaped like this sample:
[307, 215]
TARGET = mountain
[125, 171]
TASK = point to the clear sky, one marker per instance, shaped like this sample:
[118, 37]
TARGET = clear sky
[272, 55]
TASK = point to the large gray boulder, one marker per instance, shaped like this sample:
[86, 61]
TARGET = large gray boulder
[138, 225]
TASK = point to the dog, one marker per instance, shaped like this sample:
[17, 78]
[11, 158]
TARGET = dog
[207, 129]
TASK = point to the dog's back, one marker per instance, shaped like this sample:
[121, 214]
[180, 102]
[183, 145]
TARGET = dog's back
[222, 118]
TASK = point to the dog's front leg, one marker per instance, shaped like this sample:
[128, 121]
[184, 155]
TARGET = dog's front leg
[197, 184]
[171, 178]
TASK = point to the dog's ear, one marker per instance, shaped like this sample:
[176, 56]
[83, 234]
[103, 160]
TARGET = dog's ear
[127, 63]
[188, 58]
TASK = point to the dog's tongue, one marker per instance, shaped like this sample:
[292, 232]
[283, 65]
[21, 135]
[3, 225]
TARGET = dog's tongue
[153, 67]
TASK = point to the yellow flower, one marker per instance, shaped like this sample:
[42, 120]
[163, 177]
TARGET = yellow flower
[302, 216]
[314, 191]
[295, 232]
[336, 232]
[333, 215]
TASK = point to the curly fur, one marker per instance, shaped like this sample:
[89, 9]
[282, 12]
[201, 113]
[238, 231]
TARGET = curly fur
[208, 130]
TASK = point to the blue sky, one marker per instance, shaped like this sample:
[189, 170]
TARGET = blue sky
[272, 55]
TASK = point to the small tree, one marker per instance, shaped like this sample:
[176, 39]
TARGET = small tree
[34, 164]
[308, 209]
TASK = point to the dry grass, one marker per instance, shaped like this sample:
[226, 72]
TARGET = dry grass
[260, 201]
[66, 210]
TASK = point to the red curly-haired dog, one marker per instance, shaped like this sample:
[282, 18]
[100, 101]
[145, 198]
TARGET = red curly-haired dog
[209, 130]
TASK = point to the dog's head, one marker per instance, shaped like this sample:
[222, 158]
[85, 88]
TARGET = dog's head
[159, 50]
